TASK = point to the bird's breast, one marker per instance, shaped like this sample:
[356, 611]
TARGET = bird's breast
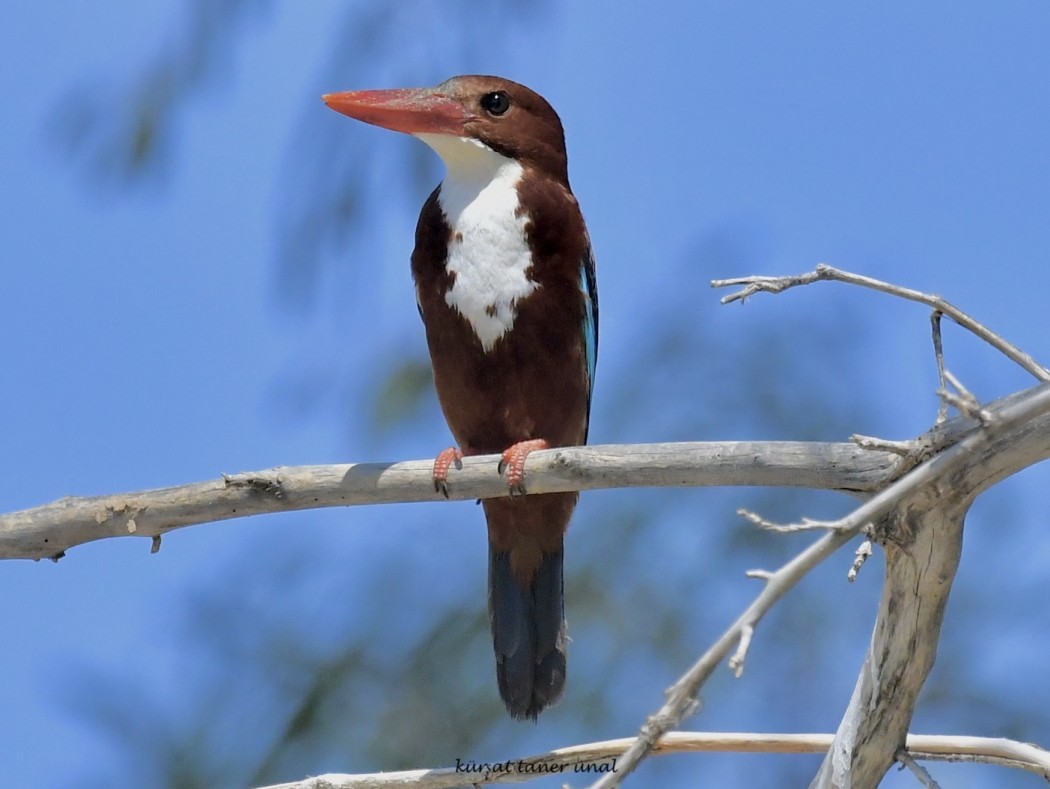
[488, 259]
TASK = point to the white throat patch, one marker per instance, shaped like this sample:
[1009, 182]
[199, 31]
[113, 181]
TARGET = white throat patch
[488, 254]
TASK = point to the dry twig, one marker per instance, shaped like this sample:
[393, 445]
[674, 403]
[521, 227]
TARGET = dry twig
[824, 272]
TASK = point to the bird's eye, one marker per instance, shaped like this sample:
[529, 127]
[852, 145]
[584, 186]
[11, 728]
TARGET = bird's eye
[495, 103]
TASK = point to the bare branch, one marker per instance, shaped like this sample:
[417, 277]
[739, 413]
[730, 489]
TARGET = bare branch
[761, 575]
[917, 769]
[984, 750]
[962, 399]
[681, 697]
[914, 496]
[938, 354]
[579, 760]
[823, 272]
[806, 524]
[996, 422]
[736, 663]
[908, 448]
[48, 531]
[862, 554]
[922, 536]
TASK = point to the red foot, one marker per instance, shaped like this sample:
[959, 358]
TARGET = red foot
[513, 462]
[442, 463]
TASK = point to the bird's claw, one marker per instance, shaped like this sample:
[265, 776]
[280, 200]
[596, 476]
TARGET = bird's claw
[513, 463]
[442, 463]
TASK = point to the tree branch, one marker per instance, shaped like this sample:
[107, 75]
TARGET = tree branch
[824, 272]
[923, 532]
[581, 760]
[50, 530]
[922, 538]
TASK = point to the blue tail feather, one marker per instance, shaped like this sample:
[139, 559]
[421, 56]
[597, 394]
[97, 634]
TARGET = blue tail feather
[528, 634]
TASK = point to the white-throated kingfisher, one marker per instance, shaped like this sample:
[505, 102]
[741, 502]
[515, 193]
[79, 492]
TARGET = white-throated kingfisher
[505, 285]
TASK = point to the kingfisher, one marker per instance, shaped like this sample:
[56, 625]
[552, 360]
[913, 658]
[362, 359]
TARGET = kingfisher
[505, 284]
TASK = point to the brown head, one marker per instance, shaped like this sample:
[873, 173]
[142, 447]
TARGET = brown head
[506, 117]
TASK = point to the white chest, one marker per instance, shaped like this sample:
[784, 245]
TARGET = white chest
[488, 255]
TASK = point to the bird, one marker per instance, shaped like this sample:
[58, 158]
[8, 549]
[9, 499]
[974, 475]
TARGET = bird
[505, 284]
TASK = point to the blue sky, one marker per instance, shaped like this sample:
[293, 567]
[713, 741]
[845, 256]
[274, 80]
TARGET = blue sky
[148, 340]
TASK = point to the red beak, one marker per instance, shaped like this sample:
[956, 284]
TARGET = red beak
[408, 110]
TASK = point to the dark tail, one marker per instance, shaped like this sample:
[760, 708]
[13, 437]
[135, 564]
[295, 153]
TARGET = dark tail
[528, 632]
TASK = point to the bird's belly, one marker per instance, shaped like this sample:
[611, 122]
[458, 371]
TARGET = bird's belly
[515, 392]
